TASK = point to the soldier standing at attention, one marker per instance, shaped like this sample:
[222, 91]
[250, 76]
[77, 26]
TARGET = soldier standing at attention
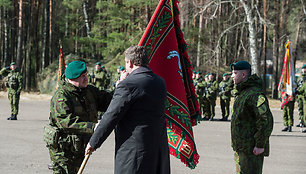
[252, 120]
[14, 86]
[99, 76]
[212, 88]
[73, 112]
[301, 96]
[288, 115]
[225, 96]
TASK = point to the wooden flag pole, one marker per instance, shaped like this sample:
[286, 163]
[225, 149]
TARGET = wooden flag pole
[84, 163]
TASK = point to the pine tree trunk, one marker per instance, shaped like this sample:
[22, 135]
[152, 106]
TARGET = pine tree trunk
[19, 51]
[275, 50]
[86, 19]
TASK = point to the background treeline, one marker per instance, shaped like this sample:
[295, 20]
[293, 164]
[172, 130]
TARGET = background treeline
[218, 32]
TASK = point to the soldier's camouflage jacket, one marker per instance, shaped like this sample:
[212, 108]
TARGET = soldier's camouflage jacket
[74, 110]
[225, 88]
[252, 120]
[212, 87]
[14, 81]
[101, 79]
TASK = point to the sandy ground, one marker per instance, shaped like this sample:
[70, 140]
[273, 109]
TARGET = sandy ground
[22, 150]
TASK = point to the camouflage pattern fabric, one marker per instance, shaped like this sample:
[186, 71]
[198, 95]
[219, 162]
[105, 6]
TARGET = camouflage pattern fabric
[252, 120]
[101, 79]
[225, 88]
[74, 111]
[212, 88]
[288, 113]
[248, 164]
[14, 85]
[301, 97]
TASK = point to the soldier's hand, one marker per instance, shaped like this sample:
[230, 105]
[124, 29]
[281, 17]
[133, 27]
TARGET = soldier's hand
[89, 149]
[258, 151]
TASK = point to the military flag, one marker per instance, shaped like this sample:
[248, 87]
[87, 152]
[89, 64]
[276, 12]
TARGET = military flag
[168, 58]
[61, 66]
[287, 80]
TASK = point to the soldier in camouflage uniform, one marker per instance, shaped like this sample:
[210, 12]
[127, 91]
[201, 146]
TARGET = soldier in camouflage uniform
[211, 95]
[288, 115]
[252, 120]
[301, 97]
[73, 110]
[225, 96]
[101, 78]
[14, 86]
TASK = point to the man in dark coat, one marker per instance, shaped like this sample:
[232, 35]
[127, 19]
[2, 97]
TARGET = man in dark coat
[137, 113]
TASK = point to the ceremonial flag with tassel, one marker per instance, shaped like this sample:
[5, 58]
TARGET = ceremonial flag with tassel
[61, 66]
[287, 80]
[168, 58]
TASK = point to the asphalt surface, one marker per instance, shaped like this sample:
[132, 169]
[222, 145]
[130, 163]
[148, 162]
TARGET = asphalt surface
[22, 150]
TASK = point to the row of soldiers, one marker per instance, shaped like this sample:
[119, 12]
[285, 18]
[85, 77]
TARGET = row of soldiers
[102, 79]
[208, 89]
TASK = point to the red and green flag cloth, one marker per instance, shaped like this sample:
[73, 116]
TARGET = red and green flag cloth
[167, 51]
[287, 80]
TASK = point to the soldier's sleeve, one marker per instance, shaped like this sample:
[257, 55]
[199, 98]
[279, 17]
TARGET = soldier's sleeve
[64, 117]
[264, 120]
[103, 99]
[3, 72]
[20, 82]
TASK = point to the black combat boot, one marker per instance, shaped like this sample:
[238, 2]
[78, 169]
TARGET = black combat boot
[13, 117]
[289, 129]
[285, 129]
[304, 131]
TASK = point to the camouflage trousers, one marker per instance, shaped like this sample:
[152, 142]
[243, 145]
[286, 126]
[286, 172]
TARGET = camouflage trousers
[248, 163]
[68, 156]
[301, 109]
[225, 107]
[204, 107]
[288, 113]
[14, 97]
[212, 105]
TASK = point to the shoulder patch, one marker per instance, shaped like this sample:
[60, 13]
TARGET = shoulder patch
[261, 100]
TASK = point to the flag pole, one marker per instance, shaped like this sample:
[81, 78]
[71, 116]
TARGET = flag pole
[84, 163]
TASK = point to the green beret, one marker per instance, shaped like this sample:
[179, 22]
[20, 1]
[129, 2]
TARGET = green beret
[241, 65]
[98, 63]
[75, 69]
[225, 74]
[102, 66]
[304, 66]
[207, 75]
[13, 63]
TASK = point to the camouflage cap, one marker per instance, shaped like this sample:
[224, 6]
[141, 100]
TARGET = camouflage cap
[98, 63]
[241, 65]
[75, 69]
[13, 63]
[304, 66]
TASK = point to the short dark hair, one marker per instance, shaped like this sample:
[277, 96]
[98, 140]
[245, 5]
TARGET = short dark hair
[137, 54]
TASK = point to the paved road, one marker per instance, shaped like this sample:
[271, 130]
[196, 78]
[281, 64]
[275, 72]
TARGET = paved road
[22, 150]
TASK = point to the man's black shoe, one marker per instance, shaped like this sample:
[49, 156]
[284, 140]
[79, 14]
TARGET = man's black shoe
[13, 117]
[289, 129]
[304, 131]
[285, 129]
